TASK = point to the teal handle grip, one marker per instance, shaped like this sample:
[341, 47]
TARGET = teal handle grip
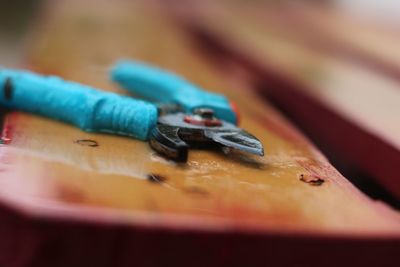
[165, 87]
[85, 107]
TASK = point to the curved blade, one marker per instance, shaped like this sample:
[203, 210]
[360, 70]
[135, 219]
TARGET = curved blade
[239, 139]
[165, 140]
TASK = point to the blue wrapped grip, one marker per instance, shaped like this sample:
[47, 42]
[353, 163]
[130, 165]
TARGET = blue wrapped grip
[85, 107]
[165, 87]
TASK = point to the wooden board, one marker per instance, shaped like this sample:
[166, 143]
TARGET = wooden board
[349, 106]
[90, 202]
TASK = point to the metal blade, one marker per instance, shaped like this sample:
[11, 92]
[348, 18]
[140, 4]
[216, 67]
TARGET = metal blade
[240, 139]
[165, 140]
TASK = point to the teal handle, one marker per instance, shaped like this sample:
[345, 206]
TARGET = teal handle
[165, 87]
[85, 107]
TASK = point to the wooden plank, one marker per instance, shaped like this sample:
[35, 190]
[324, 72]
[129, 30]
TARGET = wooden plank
[349, 108]
[96, 204]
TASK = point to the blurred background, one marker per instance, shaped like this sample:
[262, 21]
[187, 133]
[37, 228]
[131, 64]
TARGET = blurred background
[16, 18]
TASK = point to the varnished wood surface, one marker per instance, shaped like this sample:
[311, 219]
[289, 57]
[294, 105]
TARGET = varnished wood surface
[47, 172]
[322, 76]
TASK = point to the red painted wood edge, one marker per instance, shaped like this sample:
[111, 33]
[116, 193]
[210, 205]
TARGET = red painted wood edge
[41, 242]
[8, 127]
[352, 142]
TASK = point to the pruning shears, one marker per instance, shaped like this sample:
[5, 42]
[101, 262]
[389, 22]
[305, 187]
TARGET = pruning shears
[182, 115]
